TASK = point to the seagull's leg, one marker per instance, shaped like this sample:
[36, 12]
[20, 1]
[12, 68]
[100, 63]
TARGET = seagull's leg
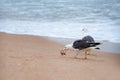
[76, 55]
[88, 51]
[85, 54]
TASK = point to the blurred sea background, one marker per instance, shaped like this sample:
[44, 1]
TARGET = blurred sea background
[62, 18]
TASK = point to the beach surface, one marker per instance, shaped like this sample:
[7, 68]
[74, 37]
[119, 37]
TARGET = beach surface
[26, 57]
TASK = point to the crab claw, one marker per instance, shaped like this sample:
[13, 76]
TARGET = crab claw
[62, 52]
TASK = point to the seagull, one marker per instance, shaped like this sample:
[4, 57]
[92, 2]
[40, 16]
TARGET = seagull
[82, 44]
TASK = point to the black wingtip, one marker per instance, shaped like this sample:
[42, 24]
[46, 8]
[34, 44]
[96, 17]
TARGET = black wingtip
[97, 43]
[94, 44]
[97, 48]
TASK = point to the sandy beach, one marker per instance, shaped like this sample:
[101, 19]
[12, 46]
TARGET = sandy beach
[26, 57]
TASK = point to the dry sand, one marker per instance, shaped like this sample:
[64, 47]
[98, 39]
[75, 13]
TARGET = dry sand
[25, 57]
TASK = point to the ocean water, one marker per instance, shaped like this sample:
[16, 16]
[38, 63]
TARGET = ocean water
[62, 18]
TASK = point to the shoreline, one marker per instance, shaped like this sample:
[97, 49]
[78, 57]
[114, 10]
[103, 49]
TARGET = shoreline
[106, 46]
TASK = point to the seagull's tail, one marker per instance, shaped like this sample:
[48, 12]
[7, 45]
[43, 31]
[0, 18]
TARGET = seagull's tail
[93, 45]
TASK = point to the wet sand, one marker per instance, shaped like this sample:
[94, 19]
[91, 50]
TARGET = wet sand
[106, 46]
